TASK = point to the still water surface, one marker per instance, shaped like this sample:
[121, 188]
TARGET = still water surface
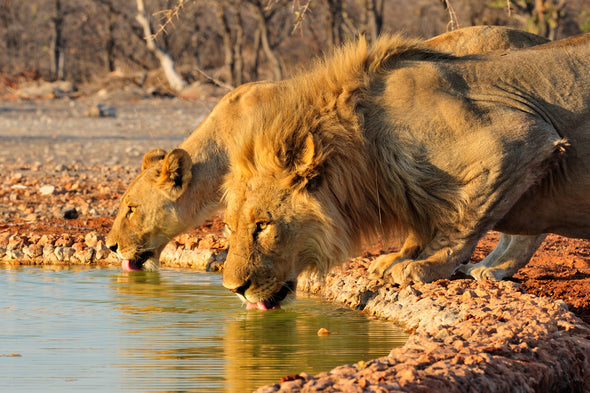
[102, 330]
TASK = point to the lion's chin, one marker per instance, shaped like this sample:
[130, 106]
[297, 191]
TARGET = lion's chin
[274, 301]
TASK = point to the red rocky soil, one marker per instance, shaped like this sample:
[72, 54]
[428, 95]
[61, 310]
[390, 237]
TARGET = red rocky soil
[63, 172]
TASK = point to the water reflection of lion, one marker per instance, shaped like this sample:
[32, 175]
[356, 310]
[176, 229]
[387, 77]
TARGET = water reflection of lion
[397, 137]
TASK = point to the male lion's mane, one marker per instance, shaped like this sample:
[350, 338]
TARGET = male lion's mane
[356, 188]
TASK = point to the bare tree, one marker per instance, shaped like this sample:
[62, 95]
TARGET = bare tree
[229, 19]
[262, 18]
[238, 68]
[82, 40]
[176, 82]
[111, 17]
[373, 18]
[335, 21]
[57, 45]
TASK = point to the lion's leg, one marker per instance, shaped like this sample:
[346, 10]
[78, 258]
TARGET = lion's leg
[439, 258]
[410, 249]
[491, 258]
[516, 255]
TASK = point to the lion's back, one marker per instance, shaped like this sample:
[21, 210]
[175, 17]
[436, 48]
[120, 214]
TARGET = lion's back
[481, 39]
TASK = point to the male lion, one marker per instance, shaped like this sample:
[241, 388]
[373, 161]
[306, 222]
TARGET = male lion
[397, 137]
[176, 191]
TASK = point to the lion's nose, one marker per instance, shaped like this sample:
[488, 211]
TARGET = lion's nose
[241, 290]
[114, 247]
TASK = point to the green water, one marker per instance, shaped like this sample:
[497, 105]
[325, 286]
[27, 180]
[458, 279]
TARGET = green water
[103, 330]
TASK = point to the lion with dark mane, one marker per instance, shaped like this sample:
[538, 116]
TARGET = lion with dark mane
[396, 138]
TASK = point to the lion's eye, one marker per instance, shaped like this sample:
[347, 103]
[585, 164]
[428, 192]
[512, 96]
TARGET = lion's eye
[261, 226]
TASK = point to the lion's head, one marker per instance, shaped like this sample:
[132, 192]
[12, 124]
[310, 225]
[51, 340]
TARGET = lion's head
[272, 245]
[151, 210]
[288, 209]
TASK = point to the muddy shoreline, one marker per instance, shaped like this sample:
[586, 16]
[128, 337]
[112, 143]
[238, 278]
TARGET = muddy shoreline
[63, 173]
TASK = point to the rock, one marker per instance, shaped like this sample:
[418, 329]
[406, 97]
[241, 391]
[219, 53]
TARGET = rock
[65, 240]
[324, 332]
[101, 110]
[84, 255]
[16, 242]
[16, 178]
[33, 251]
[16, 254]
[101, 251]
[91, 239]
[46, 239]
[64, 254]
[46, 190]
[70, 213]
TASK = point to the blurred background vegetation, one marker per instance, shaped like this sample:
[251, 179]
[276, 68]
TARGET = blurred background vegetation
[233, 41]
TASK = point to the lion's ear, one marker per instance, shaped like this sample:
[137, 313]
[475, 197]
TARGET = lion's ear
[176, 173]
[306, 164]
[152, 157]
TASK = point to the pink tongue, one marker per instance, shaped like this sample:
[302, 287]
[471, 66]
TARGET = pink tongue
[260, 306]
[129, 266]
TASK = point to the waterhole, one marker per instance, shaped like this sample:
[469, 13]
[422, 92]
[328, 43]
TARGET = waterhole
[103, 330]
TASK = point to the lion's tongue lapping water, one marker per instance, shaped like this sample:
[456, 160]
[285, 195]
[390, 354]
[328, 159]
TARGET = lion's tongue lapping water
[273, 302]
[129, 266]
[264, 306]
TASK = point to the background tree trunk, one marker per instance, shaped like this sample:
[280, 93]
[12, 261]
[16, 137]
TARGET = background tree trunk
[57, 49]
[258, 13]
[334, 22]
[253, 74]
[238, 69]
[232, 34]
[110, 39]
[225, 33]
[166, 62]
[374, 16]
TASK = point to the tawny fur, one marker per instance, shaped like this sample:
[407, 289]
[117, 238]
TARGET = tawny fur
[400, 137]
[157, 219]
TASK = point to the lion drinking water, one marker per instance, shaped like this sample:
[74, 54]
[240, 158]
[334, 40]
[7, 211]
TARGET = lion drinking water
[152, 212]
[162, 202]
[399, 138]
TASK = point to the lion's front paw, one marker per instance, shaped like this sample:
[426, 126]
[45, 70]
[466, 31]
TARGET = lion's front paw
[378, 268]
[406, 272]
[487, 273]
[410, 271]
[397, 270]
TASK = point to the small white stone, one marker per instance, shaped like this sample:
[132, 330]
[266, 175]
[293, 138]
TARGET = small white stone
[46, 190]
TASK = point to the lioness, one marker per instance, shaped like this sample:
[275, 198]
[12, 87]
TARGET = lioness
[177, 191]
[399, 137]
